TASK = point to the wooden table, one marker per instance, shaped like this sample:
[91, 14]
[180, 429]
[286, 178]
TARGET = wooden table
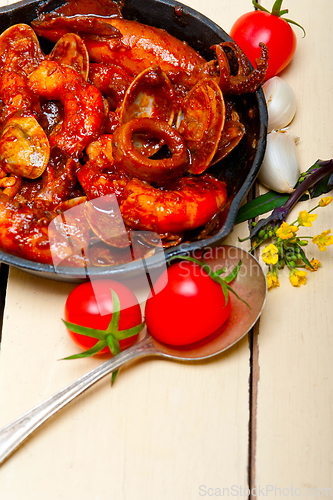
[259, 416]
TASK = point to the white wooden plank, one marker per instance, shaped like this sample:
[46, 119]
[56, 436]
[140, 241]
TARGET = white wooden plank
[162, 431]
[294, 412]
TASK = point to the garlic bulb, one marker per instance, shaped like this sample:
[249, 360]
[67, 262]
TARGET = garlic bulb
[280, 101]
[280, 167]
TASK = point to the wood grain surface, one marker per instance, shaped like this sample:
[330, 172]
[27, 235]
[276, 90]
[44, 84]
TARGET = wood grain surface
[258, 417]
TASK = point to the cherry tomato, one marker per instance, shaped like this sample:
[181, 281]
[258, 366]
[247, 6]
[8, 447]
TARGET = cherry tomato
[91, 305]
[188, 308]
[273, 31]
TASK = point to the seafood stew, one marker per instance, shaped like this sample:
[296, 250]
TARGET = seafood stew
[174, 159]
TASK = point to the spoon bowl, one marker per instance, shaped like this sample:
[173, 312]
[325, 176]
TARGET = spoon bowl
[250, 285]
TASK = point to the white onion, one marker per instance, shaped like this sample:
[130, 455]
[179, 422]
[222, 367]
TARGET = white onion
[280, 167]
[280, 101]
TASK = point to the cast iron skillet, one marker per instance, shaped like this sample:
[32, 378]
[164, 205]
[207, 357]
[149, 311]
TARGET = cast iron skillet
[239, 169]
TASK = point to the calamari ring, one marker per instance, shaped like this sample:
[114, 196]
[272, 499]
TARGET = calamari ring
[130, 160]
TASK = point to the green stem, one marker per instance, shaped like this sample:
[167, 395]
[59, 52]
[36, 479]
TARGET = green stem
[276, 10]
[260, 7]
[215, 276]
[257, 245]
[314, 208]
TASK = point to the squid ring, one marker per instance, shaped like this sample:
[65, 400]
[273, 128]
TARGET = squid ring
[131, 161]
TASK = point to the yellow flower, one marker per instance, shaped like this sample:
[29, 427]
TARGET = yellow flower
[270, 254]
[272, 281]
[306, 219]
[314, 263]
[286, 232]
[325, 201]
[323, 240]
[297, 277]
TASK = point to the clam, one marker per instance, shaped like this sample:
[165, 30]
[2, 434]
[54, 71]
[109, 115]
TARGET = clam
[105, 220]
[19, 49]
[71, 50]
[24, 147]
[201, 122]
[232, 133]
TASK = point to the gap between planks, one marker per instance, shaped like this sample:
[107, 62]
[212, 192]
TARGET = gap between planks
[254, 375]
[4, 269]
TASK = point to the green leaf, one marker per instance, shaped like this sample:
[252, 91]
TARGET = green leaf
[238, 297]
[185, 257]
[125, 334]
[321, 188]
[220, 271]
[295, 24]
[304, 257]
[114, 323]
[114, 376]
[113, 344]
[90, 352]
[270, 200]
[233, 274]
[225, 292]
[84, 330]
[260, 205]
[259, 7]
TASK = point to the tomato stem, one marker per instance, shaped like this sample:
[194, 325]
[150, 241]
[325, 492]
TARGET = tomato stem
[106, 338]
[276, 11]
[216, 276]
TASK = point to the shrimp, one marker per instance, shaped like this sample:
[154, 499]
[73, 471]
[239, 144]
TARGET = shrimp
[185, 204]
[84, 106]
[16, 95]
[99, 176]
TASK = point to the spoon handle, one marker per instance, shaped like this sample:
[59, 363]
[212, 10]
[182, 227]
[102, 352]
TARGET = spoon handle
[15, 433]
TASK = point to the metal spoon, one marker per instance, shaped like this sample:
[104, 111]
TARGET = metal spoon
[250, 285]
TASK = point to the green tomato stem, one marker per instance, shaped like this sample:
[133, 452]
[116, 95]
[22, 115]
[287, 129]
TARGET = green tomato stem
[276, 11]
[215, 276]
[260, 7]
[114, 323]
[109, 337]
[89, 352]
[84, 330]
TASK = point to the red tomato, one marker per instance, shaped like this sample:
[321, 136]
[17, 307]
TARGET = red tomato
[190, 307]
[92, 306]
[273, 31]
